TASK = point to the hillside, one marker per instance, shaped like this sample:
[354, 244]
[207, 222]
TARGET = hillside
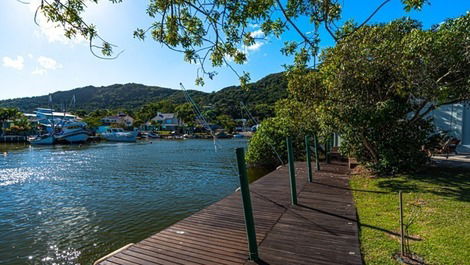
[264, 93]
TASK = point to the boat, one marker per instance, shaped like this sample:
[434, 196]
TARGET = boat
[238, 135]
[45, 139]
[72, 132]
[220, 134]
[153, 135]
[142, 135]
[119, 135]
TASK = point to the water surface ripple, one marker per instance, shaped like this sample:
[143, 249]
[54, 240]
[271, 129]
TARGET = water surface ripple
[74, 204]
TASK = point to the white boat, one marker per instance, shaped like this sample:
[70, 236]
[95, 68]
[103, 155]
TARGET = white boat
[73, 132]
[119, 135]
[153, 135]
[45, 139]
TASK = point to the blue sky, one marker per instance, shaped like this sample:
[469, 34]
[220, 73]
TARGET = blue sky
[39, 60]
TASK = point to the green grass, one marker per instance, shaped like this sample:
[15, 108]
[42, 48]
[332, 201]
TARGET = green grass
[437, 199]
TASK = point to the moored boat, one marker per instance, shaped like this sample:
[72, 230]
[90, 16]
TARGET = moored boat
[45, 139]
[119, 135]
[73, 132]
[153, 135]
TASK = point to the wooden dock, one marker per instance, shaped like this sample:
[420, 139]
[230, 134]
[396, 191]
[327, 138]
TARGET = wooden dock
[13, 139]
[321, 229]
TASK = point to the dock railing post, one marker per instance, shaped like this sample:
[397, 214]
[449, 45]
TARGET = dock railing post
[248, 210]
[309, 162]
[315, 144]
[402, 236]
[293, 186]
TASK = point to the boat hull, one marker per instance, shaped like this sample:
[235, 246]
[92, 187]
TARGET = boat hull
[120, 137]
[49, 140]
[74, 137]
[77, 138]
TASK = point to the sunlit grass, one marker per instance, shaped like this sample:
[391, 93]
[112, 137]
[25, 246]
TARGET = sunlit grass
[438, 200]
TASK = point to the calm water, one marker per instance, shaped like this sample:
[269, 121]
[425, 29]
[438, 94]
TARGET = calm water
[73, 205]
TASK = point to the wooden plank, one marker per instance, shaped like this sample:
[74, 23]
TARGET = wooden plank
[322, 229]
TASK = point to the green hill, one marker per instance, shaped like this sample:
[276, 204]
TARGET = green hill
[259, 97]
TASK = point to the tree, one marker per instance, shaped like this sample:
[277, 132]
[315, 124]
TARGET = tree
[376, 86]
[293, 118]
[20, 122]
[9, 114]
[217, 31]
[185, 113]
[226, 122]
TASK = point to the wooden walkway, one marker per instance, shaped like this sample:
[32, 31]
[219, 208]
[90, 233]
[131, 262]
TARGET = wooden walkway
[321, 229]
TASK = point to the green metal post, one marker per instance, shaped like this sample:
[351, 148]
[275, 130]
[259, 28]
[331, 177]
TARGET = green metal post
[248, 210]
[309, 162]
[402, 236]
[290, 156]
[317, 160]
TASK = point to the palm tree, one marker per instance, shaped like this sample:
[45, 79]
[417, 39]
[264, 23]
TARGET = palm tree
[8, 114]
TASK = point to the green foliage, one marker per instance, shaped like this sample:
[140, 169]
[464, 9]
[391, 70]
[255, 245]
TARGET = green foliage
[226, 122]
[19, 122]
[209, 32]
[146, 101]
[268, 145]
[376, 86]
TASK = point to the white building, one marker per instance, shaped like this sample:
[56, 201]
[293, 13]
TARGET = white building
[168, 121]
[455, 120]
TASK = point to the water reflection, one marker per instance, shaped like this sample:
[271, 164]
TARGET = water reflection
[74, 204]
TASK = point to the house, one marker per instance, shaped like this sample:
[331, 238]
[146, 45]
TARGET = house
[120, 119]
[167, 121]
[454, 119]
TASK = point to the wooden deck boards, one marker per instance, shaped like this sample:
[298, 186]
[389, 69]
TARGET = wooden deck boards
[321, 229]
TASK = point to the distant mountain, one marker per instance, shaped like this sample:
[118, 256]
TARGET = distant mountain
[131, 96]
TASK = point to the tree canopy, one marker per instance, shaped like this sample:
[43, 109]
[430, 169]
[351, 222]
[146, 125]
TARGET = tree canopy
[215, 32]
[377, 86]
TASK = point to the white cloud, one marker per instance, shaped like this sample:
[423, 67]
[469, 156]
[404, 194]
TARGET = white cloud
[257, 34]
[53, 32]
[17, 63]
[256, 46]
[48, 63]
[39, 71]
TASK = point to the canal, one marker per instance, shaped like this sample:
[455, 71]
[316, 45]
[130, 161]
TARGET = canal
[74, 204]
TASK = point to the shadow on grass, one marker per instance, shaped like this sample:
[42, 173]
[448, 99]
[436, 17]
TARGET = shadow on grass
[452, 183]
[357, 221]
[347, 188]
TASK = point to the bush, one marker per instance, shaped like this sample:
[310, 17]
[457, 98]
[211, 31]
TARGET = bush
[268, 146]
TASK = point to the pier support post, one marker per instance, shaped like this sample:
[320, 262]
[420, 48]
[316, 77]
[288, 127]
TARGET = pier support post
[315, 144]
[248, 210]
[309, 162]
[293, 186]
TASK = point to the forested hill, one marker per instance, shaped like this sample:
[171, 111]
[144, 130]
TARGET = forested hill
[131, 96]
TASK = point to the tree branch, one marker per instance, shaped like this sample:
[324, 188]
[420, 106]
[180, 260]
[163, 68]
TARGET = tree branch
[294, 25]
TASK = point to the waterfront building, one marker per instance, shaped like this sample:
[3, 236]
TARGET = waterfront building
[120, 119]
[167, 121]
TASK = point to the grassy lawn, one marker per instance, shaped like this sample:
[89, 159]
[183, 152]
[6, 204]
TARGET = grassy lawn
[436, 202]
